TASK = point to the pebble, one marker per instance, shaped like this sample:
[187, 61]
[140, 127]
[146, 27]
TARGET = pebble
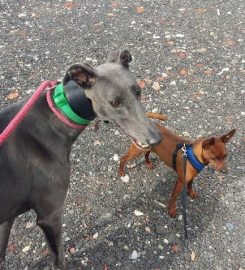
[166, 241]
[164, 75]
[95, 236]
[180, 35]
[223, 70]
[29, 225]
[25, 249]
[186, 133]
[156, 86]
[138, 213]
[125, 178]
[242, 113]
[230, 226]
[22, 15]
[173, 83]
[135, 255]
[180, 217]
[115, 157]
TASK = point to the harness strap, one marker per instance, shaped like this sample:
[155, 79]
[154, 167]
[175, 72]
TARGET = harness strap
[178, 147]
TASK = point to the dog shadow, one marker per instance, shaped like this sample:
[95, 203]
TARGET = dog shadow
[154, 230]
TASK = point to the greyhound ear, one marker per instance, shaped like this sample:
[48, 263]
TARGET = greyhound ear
[84, 75]
[225, 138]
[122, 57]
[208, 142]
[125, 58]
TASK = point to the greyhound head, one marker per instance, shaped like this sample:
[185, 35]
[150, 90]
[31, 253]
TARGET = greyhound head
[115, 96]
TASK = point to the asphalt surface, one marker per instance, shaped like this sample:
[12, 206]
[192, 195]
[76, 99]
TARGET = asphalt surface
[189, 59]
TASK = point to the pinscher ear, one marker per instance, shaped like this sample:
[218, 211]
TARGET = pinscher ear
[225, 138]
[122, 57]
[84, 75]
[208, 142]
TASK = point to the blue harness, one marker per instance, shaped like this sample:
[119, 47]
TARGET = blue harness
[190, 156]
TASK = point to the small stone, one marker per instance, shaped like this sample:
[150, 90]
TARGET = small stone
[156, 86]
[193, 256]
[95, 236]
[223, 70]
[67, 239]
[29, 225]
[155, 110]
[180, 35]
[147, 229]
[173, 83]
[166, 241]
[125, 247]
[25, 249]
[135, 255]
[72, 250]
[242, 113]
[164, 75]
[115, 157]
[161, 257]
[202, 50]
[186, 133]
[229, 226]
[180, 217]
[125, 178]
[138, 213]
[97, 142]
[12, 95]
[22, 15]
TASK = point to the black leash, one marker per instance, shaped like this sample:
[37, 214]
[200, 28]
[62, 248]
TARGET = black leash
[184, 192]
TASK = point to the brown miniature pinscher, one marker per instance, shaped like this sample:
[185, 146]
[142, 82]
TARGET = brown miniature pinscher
[200, 153]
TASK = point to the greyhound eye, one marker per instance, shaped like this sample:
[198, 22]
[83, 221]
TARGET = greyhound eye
[115, 103]
[137, 91]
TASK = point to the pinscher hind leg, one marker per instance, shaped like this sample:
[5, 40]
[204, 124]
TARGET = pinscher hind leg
[148, 162]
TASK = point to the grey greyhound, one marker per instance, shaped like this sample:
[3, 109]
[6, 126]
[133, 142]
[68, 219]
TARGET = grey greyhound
[34, 161]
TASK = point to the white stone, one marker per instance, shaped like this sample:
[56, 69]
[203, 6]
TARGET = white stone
[138, 213]
[125, 178]
[25, 249]
[166, 241]
[135, 255]
[115, 157]
[223, 70]
[180, 35]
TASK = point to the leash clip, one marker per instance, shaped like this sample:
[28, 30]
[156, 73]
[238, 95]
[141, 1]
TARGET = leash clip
[184, 150]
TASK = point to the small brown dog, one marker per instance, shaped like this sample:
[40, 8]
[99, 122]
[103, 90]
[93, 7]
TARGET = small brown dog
[200, 153]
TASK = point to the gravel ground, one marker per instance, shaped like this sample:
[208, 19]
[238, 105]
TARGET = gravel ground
[189, 59]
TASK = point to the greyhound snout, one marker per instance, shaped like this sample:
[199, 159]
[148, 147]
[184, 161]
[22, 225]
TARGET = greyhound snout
[155, 138]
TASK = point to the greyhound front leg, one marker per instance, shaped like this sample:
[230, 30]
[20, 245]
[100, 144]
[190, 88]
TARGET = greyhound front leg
[5, 229]
[52, 228]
